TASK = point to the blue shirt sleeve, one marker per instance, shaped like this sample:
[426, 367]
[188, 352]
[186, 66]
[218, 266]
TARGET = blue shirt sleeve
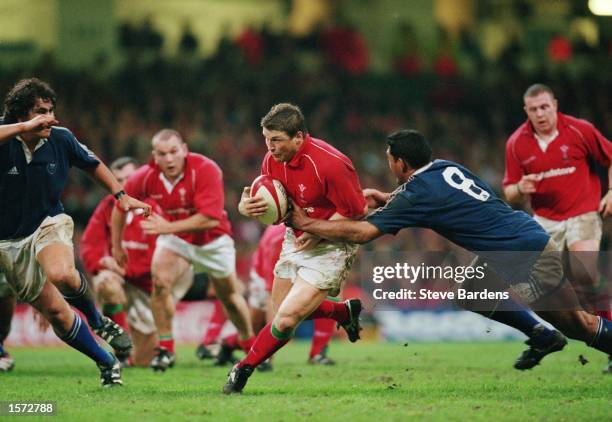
[79, 155]
[398, 213]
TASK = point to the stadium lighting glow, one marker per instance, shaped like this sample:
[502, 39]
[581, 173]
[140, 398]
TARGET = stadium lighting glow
[601, 7]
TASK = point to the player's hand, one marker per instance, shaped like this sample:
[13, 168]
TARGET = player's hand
[375, 198]
[38, 123]
[529, 184]
[605, 206]
[127, 203]
[306, 241]
[109, 263]
[156, 224]
[251, 206]
[120, 255]
[296, 217]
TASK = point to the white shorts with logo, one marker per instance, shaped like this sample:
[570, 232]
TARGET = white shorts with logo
[325, 267]
[217, 258]
[18, 256]
[581, 227]
[139, 314]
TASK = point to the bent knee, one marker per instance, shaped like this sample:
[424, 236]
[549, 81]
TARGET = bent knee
[284, 322]
[62, 275]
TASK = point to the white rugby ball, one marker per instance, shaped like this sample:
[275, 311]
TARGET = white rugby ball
[275, 195]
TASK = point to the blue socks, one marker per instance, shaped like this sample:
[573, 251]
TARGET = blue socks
[603, 338]
[80, 338]
[84, 302]
[511, 313]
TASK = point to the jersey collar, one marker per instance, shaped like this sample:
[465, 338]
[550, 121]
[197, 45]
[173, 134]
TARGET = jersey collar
[295, 160]
[28, 154]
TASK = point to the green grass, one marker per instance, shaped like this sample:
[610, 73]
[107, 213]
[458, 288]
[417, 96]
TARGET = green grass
[372, 381]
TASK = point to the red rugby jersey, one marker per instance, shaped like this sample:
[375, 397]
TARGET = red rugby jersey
[96, 243]
[320, 179]
[198, 190]
[268, 251]
[570, 185]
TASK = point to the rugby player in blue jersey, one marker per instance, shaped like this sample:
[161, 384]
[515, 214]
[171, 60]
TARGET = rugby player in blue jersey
[36, 251]
[449, 199]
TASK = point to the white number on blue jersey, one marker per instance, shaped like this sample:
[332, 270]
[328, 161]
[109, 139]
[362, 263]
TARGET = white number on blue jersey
[456, 179]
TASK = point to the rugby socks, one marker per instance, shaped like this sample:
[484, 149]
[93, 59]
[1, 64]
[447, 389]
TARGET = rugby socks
[513, 314]
[117, 314]
[246, 345]
[80, 338]
[231, 341]
[603, 338]
[332, 310]
[2, 351]
[268, 341]
[83, 300]
[215, 325]
[323, 332]
[167, 342]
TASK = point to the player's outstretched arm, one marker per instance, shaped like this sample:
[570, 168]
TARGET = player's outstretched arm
[605, 206]
[375, 198]
[251, 207]
[335, 230]
[156, 224]
[38, 123]
[117, 227]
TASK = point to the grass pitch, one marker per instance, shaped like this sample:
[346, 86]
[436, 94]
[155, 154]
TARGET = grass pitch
[372, 381]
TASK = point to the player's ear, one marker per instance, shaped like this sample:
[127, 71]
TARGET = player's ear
[405, 166]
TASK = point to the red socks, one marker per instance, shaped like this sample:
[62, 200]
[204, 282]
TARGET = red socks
[233, 342]
[215, 325]
[268, 341]
[323, 332]
[332, 310]
[167, 342]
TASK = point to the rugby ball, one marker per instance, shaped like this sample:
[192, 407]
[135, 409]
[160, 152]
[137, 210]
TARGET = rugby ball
[275, 195]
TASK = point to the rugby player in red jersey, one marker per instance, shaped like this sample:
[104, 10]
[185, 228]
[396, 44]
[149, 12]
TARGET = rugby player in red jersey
[550, 163]
[193, 230]
[324, 182]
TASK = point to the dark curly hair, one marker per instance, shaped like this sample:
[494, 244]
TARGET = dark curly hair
[22, 97]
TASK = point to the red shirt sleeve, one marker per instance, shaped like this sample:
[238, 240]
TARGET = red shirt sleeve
[135, 185]
[209, 196]
[599, 147]
[344, 191]
[513, 172]
[95, 242]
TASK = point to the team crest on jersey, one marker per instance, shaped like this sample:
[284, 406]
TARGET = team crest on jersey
[564, 149]
[51, 168]
[302, 189]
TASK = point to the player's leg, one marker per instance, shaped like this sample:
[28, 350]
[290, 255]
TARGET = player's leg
[7, 307]
[213, 330]
[55, 256]
[144, 347]
[69, 328]
[301, 301]
[167, 267]
[323, 330]
[110, 293]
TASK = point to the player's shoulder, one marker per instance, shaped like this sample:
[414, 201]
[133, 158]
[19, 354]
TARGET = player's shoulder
[62, 134]
[328, 157]
[580, 124]
[520, 133]
[201, 162]
[143, 172]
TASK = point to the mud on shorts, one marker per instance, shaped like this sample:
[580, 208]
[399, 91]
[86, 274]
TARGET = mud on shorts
[325, 267]
[18, 256]
[581, 227]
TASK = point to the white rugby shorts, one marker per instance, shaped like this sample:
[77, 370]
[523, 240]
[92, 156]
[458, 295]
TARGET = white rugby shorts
[325, 267]
[217, 258]
[586, 226]
[18, 256]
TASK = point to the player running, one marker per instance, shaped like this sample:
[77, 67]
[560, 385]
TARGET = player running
[449, 199]
[324, 181]
[7, 308]
[193, 230]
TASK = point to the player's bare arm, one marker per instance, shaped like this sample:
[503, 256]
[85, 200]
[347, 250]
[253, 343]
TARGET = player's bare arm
[38, 123]
[156, 224]
[335, 230]
[375, 198]
[251, 206]
[104, 176]
[518, 192]
[605, 206]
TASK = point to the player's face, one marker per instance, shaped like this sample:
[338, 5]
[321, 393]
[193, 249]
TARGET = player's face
[124, 173]
[170, 155]
[41, 107]
[282, 146]
[396, 165]
[542, 112]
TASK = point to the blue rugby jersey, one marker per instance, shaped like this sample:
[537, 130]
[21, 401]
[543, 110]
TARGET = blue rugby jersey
[449, 199]
[29, 192]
